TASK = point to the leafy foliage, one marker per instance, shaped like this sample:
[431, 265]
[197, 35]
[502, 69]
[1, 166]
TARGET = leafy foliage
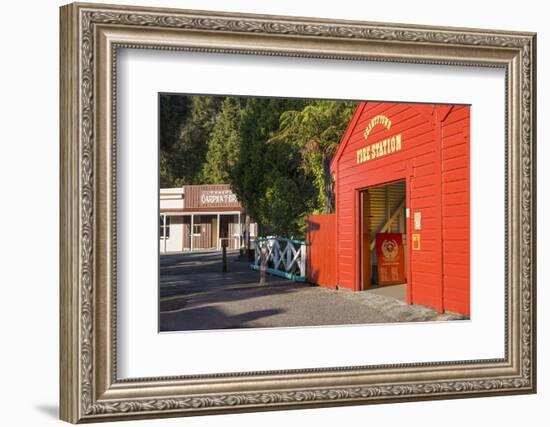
[317, 130]
[267, 177]
[185, 126]
[223, 144]
[275, 153]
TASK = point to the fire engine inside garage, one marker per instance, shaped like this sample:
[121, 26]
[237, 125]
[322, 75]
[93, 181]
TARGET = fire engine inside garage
[402, 211]
[202, 217]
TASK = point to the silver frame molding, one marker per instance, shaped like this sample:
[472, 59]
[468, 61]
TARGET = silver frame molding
[90, 36]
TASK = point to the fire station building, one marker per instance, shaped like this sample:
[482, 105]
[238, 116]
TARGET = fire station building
[402, 212]
[202, 217]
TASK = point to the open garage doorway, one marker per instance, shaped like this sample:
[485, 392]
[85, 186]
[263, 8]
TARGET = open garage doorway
[383, 243]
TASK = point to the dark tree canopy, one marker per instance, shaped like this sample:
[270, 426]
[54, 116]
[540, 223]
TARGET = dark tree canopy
[275, 153]
[186, 123]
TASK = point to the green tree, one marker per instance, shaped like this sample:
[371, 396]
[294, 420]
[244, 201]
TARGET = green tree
[173, 112]
[223, 144]
[186, 123]
[287, 194]
[317, 130]
[267, 177]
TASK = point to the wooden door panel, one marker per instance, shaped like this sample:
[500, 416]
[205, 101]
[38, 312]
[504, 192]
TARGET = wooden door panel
[365, 240]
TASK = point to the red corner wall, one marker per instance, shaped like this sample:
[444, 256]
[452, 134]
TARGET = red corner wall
[455, 149]
[321, 250]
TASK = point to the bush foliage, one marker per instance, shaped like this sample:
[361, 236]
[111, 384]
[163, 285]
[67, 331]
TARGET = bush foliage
[274, 152]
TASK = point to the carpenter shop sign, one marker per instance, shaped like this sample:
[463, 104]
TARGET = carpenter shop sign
[217, 197]
[380, 148]
[390, 256]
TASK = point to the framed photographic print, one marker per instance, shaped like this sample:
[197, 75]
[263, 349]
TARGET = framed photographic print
[266, 212]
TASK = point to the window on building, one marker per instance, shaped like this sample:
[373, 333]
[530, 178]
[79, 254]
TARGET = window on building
[164, 227]
[196, 229]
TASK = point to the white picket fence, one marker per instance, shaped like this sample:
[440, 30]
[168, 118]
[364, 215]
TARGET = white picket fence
[284, 257]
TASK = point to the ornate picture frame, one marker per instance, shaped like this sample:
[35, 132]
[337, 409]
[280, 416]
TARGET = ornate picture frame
[90, 37]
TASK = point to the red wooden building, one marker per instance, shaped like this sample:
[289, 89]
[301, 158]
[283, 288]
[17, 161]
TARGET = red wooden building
[402, 179]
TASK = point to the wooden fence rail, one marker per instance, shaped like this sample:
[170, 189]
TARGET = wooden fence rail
[283, 257]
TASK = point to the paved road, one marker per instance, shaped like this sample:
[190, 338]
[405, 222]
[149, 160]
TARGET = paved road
[196, 295]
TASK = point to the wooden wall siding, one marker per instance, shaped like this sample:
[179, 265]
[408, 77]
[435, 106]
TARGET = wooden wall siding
[214, 231]
[229, 227]
[417, 139]
[186, 231]
[431, 152]
[192, 197]
[321, 252]
[204, 240]
[234, 243]
[208, 237]
[455, 141]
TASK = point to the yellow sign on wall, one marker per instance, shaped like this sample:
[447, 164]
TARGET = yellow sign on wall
[377, 120]
[416, 242]
[381, 148]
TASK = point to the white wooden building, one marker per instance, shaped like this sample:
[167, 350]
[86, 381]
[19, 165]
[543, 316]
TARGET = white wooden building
[202, 217]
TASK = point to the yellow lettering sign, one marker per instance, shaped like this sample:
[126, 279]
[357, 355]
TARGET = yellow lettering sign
[377, 120]
[379, 149]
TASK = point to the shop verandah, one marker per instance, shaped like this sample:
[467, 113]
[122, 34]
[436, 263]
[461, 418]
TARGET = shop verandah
[202, 217]
[180, 232]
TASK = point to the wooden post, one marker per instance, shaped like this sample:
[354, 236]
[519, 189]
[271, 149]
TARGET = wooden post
[239, 246]
[303, 255]
[247, 222]
[224, 256]
[164, 232]
[218, 238]
[288, 249]
[191, 234]
[263, 263]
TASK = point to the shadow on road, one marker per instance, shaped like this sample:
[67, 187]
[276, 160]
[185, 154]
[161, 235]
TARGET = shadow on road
[196, 295]
[211, 317]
